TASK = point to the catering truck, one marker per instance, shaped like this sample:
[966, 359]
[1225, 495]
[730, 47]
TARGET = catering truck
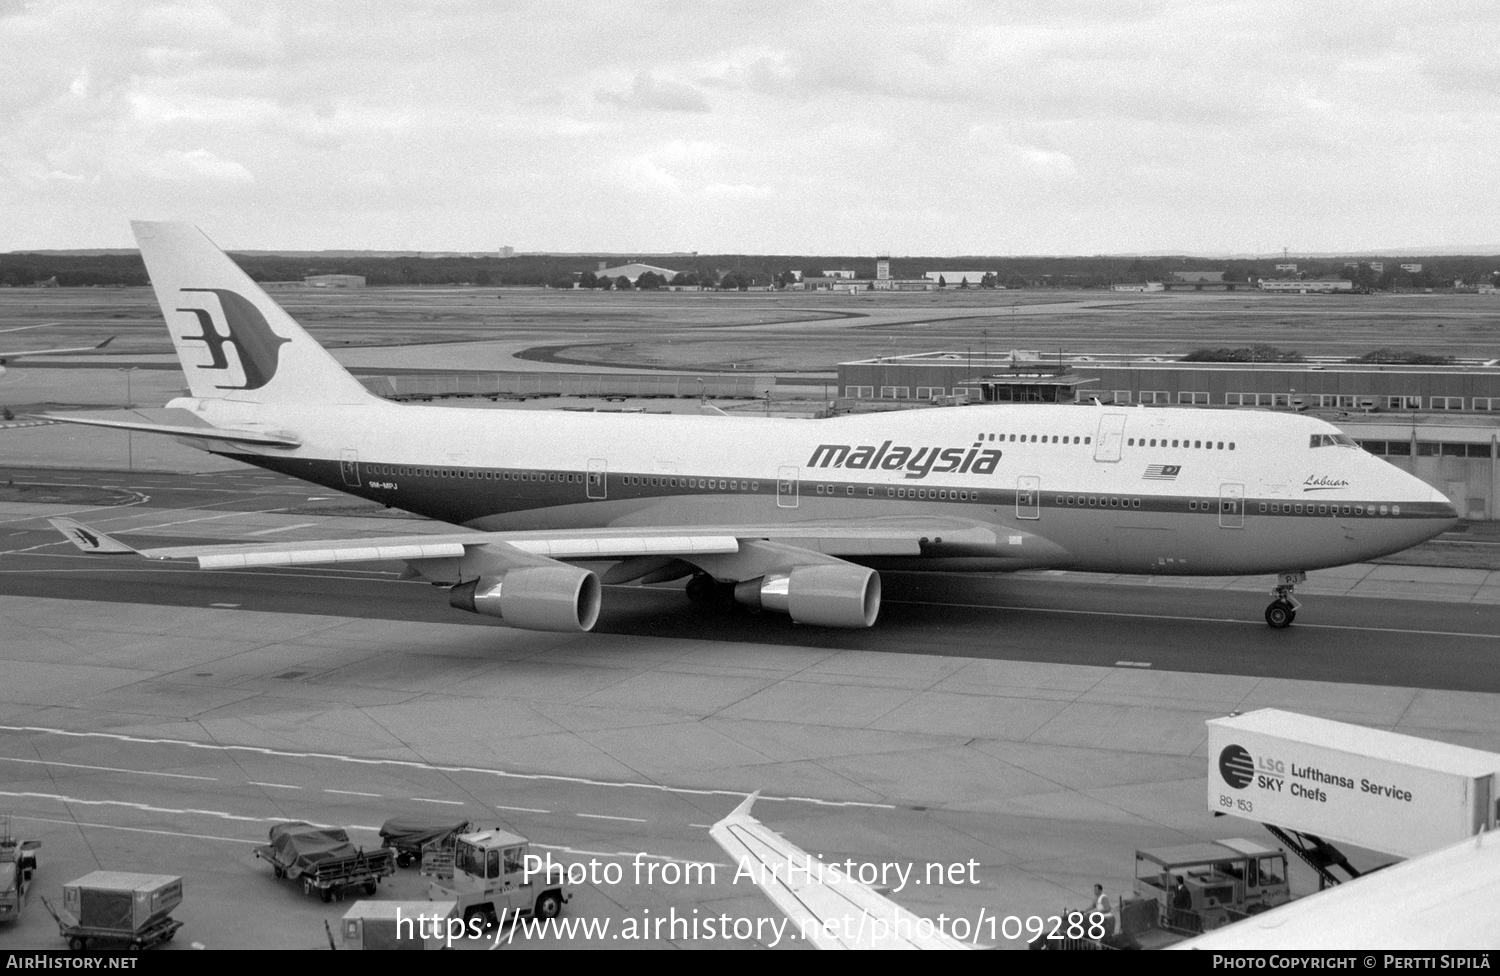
[1387, 792]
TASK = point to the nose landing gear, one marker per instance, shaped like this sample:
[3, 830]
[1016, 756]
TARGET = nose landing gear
[1283, 609]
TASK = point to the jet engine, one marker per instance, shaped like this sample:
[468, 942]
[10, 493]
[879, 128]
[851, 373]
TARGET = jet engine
[838, 595]
[557, 597]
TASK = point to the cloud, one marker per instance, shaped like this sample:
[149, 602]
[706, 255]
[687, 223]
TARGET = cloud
[648, 93]
[195, 166]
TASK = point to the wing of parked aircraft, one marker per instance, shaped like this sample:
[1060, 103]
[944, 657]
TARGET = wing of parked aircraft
[826, 907]
[55, 351]
[1442, 900]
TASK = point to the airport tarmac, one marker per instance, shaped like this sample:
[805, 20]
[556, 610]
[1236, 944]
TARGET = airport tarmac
[162, 722]
[1042, 725]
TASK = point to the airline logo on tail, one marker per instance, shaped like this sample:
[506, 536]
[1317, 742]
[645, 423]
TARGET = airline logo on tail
[242, 346]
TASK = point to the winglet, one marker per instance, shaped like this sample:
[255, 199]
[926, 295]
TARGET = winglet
[743, 810]
[87, 539]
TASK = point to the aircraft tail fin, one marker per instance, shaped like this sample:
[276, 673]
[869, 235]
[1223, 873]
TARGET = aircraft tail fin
[89, 540]
[234, 341]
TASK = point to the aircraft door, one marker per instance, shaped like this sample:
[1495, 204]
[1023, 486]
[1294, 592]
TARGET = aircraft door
[598, 478]
[349, 468]
[786, 486]
[1231, 506]
[1110, 437]
[1028, 497]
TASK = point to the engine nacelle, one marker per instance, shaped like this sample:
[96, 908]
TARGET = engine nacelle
[833, 595]
[557, 597]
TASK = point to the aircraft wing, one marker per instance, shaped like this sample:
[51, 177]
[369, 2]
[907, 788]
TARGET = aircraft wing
[1442, 900]
[826, 907]
[4, 356]
[870, 537]
[174, 422]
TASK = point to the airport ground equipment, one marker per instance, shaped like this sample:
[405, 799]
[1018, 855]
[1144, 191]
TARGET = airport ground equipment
[412, 837]
[412, 925]
[118, 908]
[17, 864]
[490, 878]
[324, 861]
[1318, 781]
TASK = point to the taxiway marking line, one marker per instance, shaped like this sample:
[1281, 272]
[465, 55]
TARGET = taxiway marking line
[224, 606]
[434, 767]
[704, 826]
[521, 809]
[1132, 664]
[605, 816]
[138, 830]
[425, 799]
[1198, 620]
[279, 786]
[282, 528]
[108, 769]
[352, 793]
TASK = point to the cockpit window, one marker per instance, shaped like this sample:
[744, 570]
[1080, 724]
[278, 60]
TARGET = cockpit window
[1331, 440]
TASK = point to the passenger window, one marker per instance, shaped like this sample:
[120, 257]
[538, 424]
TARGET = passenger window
[1174, 443]
[1197, 443]
[1231, 445]
[1221, 445]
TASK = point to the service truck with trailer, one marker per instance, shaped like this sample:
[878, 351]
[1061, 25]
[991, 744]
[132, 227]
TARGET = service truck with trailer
[1387, 792]
[496, 876]
[17, 864]
[324, 861]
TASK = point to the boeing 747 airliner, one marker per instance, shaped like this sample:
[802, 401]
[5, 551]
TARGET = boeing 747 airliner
[792, 516]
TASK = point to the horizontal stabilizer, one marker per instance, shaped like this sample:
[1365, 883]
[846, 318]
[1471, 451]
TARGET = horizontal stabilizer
[87, 539]
[175, 423]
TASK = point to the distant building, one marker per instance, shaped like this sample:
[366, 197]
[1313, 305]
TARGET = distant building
[1200, 277]
[1287, 267]
[334, 281]
[1377, 266]
[1198, 281]
[955, 278]
[1489, 289]
[49, 283]
[1306, 286]
[838, 274]
[1142, 286]
[633, 271]
[1413, 268]
[882, 269]
[506, 252]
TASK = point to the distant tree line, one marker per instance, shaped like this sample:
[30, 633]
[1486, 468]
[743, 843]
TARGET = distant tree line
[742, 271]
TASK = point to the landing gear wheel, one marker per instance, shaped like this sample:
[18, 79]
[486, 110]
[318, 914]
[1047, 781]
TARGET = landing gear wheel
[78, 943]
[370, 888]
[1280, 614]
[326, 894]
[405, 859]
[548, 905]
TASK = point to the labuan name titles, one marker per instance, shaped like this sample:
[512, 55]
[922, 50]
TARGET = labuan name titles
[915, 462]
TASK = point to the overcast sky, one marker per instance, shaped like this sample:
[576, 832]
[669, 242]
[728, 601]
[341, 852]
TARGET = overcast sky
[1048, 127]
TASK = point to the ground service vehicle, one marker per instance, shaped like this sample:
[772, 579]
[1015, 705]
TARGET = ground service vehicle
[324, 860]
[1200, 887]
[118, 907]
[1327, 780]
[495, 874]
[412, 837]
[410, 925]
[17, 862]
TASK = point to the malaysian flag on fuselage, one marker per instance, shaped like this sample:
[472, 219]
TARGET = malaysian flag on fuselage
[1161, 472]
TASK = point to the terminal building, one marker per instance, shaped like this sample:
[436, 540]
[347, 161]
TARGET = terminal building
[1441, 423]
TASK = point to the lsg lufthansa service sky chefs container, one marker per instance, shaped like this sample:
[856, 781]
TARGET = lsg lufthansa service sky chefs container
[1379, 790]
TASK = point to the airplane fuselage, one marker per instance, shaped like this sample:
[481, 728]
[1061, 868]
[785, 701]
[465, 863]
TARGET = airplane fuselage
[1171, 491]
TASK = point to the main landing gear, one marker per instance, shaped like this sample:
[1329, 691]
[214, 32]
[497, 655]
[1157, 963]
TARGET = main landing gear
[1283, 609]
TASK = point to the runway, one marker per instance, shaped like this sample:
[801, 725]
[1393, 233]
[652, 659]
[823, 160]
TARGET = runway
[156, 718]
